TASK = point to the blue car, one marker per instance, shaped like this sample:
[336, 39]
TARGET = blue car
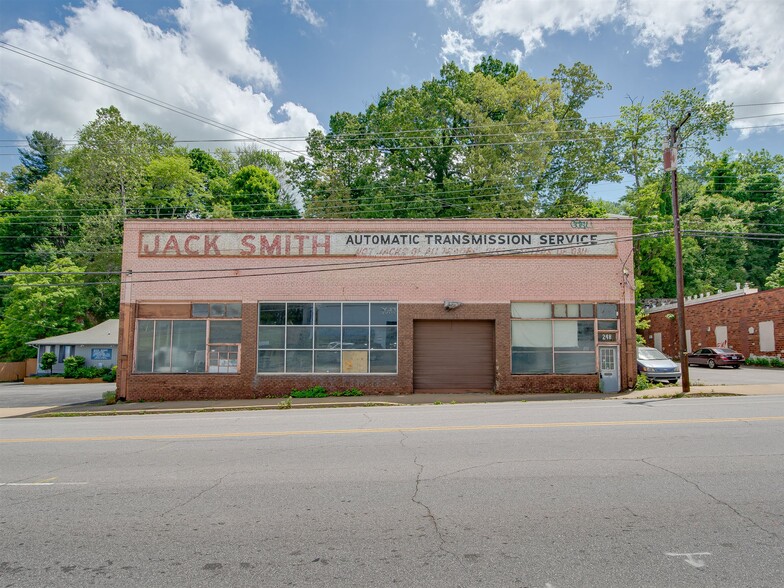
[656, 366]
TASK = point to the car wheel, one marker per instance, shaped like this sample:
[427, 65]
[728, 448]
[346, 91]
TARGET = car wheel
[673, 381]
[711, 364]
[736, 366]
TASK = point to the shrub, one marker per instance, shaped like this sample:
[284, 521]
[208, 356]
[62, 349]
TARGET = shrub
[48, 360]
[72, 365]
[321, 392]
[349, 392]
[312, 392]
[760, 360]
[110, 397]
[643, 383]
[92, 372]
[111, 376]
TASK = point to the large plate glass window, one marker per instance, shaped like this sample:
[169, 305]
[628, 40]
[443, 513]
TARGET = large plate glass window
[208, 342]
[558, 338]
[327, 337]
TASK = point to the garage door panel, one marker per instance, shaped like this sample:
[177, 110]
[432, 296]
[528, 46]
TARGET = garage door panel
[454, 356]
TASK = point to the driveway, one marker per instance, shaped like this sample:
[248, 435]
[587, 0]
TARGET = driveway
[19, 398]
[744, 375]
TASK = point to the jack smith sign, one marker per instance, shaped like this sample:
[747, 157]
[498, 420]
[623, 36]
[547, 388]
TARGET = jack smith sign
[284, 244]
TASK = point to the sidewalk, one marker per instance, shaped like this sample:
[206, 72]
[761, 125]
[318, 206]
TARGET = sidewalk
[390, 400]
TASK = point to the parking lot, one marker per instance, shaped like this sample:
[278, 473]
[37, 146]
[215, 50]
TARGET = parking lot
[726, 376]
[18, 395]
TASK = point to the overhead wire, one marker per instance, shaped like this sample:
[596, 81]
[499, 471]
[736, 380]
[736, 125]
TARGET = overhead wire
[294, 269]
[138, 95]
[342, 266]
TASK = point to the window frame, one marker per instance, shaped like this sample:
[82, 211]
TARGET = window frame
[206, 350]
[319, 353]
[587, 312]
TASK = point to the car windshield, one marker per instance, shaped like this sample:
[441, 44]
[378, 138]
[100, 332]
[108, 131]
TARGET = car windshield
[650, 353]
[725, 350]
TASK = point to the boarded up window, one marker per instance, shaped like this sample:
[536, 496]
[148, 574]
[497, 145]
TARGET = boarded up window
[721, 337]
[767, 336]
[164, 310]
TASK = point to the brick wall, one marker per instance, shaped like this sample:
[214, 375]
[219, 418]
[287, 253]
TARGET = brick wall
[740, 315]
[484, 285]
[248, 384]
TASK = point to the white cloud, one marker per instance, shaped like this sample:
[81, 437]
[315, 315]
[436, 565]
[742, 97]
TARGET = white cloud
[658, 24]
[745, 59]
[204, 65]
[452, 7]
[455, 46]
[302, 9]
[531, 20]
[751, 33]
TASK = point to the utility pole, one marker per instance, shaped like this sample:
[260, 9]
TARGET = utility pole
[671, 165]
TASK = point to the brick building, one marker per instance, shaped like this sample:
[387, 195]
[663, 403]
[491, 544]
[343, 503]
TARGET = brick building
[744, 319]
[248, 308]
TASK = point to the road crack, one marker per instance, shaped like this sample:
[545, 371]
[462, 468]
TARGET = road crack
[199, 495]
[715, 499]
[429, 512]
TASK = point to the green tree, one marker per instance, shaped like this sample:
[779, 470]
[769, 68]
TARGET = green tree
[44, 155]
[171, 188]
[752, 187]
[254, 192]
[109, 163]
[583, 153]
[48, 360]
[462, 144]
[206, 164]
[776, 278]
[640, 130]
[35, 223]
[38, 305]
[98, 248]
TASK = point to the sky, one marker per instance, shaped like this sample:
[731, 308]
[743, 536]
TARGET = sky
[275, 69]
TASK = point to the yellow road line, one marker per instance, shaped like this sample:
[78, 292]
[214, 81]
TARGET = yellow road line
[197, 436]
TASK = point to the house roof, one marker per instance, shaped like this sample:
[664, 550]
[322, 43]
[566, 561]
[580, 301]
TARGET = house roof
[107, 333]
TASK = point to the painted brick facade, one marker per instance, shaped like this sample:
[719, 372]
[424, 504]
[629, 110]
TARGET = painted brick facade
[741, 315]
[485, 287]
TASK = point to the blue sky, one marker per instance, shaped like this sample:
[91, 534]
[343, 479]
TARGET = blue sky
[277, 68]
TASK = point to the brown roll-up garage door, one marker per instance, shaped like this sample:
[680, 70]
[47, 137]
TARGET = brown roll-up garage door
[454, 356]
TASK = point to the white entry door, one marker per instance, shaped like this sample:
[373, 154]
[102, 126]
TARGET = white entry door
[608, 370]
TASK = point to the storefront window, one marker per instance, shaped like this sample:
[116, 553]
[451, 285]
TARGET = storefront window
[558, 338]
[327, 337]
[188, 346]
[532, 347]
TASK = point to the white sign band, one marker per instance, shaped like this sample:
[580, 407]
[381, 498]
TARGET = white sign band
[240, 244]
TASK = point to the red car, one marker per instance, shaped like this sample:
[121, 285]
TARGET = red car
[716, 356]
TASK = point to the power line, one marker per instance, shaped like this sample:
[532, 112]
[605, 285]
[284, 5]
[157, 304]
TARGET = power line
[133, 93]
[343, 266]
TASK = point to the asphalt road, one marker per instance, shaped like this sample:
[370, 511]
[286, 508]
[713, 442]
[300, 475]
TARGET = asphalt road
[681, 492]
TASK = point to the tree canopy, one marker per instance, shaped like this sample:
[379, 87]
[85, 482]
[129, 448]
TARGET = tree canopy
[490, 142]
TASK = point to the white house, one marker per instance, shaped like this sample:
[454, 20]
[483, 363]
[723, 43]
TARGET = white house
[98, 345]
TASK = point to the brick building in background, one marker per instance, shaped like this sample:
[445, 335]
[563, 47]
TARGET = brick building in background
[746, 320]
[248, 308]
